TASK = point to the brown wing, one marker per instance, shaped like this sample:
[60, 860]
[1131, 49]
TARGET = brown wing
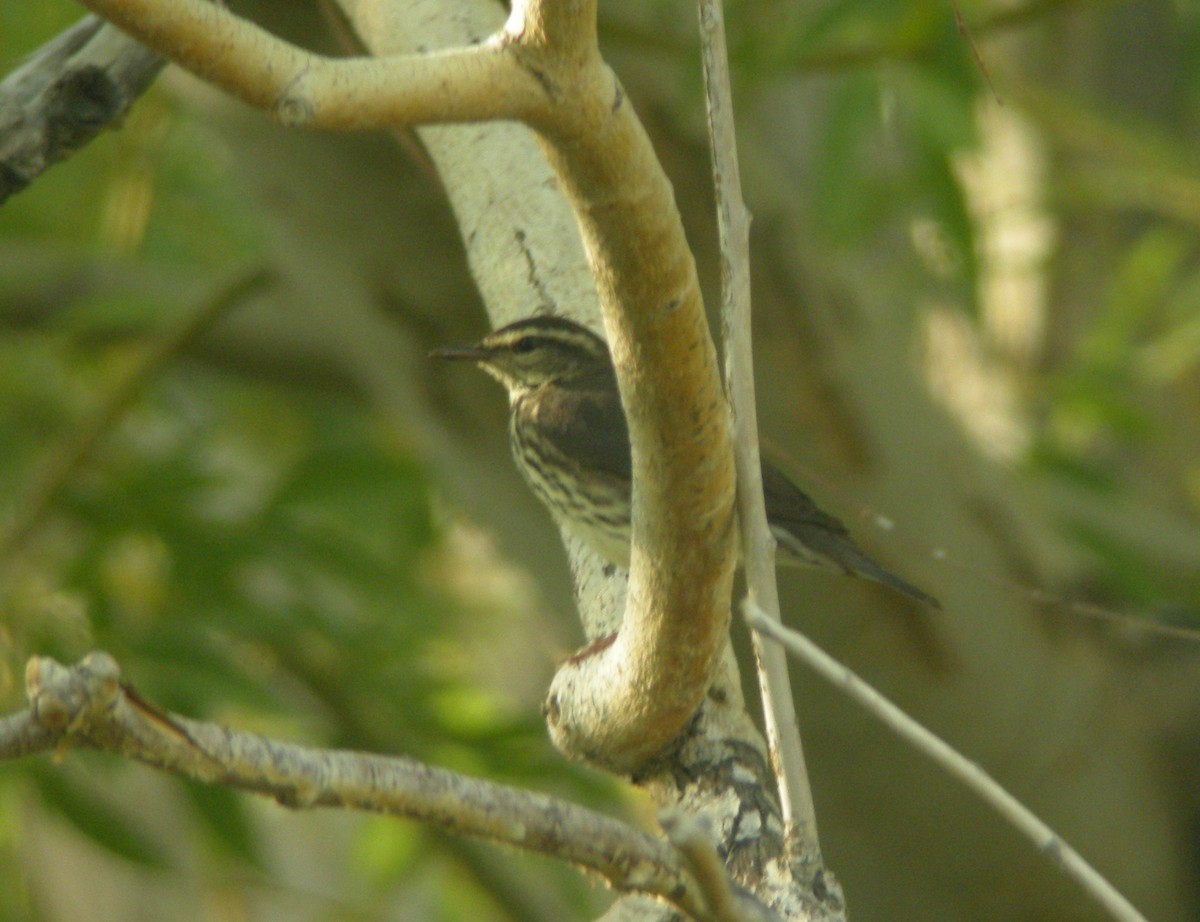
[585, 423]
[817, 537]
[791, 508]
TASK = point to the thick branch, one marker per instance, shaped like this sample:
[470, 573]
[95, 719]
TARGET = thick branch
[69, 90]
[302, 88]
[626, 702]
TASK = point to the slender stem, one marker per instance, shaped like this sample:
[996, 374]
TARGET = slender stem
[733, 222]
[1048, 842]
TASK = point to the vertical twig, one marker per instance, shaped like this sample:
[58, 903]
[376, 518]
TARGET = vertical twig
[758, 546]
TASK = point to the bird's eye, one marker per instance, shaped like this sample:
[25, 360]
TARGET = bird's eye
[525, 344]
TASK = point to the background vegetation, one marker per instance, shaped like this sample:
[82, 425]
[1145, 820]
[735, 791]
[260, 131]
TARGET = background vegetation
[225, 459]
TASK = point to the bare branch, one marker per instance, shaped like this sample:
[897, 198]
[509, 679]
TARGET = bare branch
[1048, 842]
[88, 705]
[694, 840]
[301, 88]
[67, 92]
[758, 545]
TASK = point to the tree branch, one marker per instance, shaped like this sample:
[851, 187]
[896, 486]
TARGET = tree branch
[302, 88]
[70, 89]
[626, 703]
[88, 705]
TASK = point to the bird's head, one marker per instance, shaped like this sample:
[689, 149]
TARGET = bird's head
[536, 351]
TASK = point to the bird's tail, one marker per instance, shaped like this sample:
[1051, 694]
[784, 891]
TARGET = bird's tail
[837, 551]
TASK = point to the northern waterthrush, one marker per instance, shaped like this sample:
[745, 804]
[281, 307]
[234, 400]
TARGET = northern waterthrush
[571, 442]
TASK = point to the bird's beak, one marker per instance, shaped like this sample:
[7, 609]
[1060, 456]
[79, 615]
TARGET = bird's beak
[462, 353]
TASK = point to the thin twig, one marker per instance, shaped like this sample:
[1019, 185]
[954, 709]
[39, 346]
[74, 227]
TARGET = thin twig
[1048, 842]
[694, 840]
[758, 546]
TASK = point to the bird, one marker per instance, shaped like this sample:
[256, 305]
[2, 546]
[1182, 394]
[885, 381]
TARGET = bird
[570, 441]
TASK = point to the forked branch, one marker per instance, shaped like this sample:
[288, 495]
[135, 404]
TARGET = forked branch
[623, 704]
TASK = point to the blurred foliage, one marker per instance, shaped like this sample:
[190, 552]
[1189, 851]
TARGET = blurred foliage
[251, 552]
[1106, 372]
[1109, 381]
[256, 550]
[248, 553]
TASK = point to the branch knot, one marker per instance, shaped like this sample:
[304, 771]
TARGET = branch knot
[70, 699]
